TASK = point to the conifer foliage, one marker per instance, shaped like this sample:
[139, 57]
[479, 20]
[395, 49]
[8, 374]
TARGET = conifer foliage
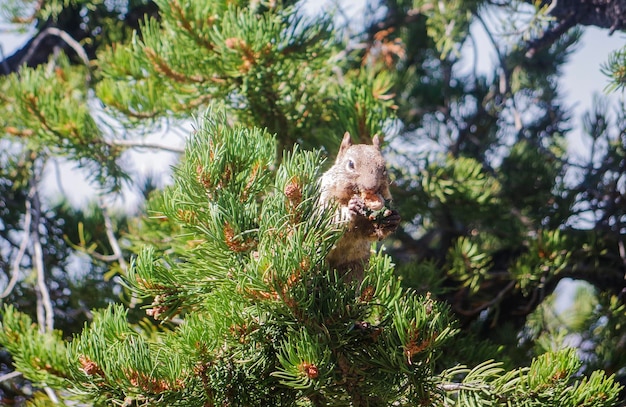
[226, 295]
[265, 320]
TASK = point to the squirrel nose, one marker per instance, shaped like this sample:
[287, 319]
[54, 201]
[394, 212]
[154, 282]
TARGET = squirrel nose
[373, 200]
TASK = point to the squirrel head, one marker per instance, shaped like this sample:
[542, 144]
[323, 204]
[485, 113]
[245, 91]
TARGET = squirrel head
[365, 171]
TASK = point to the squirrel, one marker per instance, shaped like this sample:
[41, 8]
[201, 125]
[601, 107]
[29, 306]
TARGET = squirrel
[358, 184]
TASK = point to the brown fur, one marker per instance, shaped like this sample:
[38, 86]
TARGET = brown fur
[358, 183]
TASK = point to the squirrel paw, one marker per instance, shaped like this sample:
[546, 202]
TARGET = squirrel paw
[391, 219]
[387, 223]
[357, 206]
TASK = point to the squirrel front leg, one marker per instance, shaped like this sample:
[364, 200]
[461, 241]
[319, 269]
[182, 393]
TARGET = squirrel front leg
[387, 224]
[377, 225]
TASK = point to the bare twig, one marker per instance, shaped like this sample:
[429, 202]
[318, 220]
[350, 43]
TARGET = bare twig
[15, 269]
[622, 253]
[117, 250]
[51, 395]
[45, 312]
[475, 56]
[503, 81]
[10, 376]
[5, 64]
[504, 75]
[450, 387]
[143, 144]
[57, 173]
[488, 304]
[108, 225]
[102, 257]
[75, 45]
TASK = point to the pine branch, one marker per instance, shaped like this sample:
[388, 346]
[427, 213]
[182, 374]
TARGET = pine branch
[39, 355]
[178, 11]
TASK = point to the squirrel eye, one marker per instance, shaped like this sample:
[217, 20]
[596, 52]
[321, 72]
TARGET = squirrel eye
[350, 164]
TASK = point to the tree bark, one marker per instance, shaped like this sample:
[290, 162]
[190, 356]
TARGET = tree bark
[609, 14]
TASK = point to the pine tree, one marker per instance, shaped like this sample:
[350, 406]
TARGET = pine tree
[230, 259]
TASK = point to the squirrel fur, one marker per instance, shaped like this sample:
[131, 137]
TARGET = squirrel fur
[358, 184]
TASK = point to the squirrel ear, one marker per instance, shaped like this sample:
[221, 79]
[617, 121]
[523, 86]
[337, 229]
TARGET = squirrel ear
[345, 144]
[376, 141]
